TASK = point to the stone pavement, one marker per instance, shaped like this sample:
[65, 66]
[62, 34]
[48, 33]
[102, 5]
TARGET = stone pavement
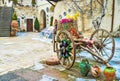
[21, 55]
[22, 51]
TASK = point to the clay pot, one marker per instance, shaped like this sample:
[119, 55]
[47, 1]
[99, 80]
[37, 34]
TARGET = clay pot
[52, 61]
[109, 73]
[84, 67]
[12, 33]
[95, 71]
[14, 24]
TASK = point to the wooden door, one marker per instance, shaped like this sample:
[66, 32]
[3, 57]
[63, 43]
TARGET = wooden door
[29, 25]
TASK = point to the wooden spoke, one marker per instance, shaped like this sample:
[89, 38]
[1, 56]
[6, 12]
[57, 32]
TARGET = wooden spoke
[103, 40]
[66, 59]
[108, 48]
[105, 52]
[108, 42]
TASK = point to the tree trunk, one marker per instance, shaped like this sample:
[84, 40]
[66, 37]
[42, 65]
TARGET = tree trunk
[113, 11]
[83, 22]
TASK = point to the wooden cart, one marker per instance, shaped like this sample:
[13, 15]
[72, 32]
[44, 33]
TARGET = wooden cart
[67, 41]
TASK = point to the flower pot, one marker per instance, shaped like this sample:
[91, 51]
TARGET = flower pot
[13, 33]
[109, 73]
[95, 71]
[14, 24]
[84, 67]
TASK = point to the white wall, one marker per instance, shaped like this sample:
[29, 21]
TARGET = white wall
[106, 21]
[42, 5]
[28, 13]
[41, 2]
[117, 15]
[25, 2]
[6, 3]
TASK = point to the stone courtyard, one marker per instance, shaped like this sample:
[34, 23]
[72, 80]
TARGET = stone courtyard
[22, 51]
[23, 59]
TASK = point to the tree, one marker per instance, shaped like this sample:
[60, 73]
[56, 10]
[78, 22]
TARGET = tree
[36, 24]
[33, 3]
[89, 7]
[14, 16]
[15, 2]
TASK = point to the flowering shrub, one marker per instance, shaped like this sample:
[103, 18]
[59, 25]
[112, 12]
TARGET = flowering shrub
[65, 20]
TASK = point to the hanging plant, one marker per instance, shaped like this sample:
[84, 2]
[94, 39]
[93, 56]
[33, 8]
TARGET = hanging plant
[15, 2]
[33, 3]
[14, 16]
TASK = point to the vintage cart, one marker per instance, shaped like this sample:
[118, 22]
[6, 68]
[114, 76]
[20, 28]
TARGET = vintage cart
[67, 41]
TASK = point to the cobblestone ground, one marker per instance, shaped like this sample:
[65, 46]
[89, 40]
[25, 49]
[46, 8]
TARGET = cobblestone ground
[22, 51]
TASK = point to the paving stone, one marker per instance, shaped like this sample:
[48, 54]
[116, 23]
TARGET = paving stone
[11, 77]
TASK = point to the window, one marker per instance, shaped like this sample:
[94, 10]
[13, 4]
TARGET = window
[47, 9]
[64, 13]
[69, 10]
[60, 16]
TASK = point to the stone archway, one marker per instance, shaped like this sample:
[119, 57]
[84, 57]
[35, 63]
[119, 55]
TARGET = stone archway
[42, 19]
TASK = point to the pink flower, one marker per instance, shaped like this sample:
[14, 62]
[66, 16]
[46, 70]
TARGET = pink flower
[70, 20]
[66, 20]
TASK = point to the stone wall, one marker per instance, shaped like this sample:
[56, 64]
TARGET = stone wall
[25, 13]
[44, 6]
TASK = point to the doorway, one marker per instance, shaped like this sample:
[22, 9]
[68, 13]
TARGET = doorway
[42, 19]
[29, 25]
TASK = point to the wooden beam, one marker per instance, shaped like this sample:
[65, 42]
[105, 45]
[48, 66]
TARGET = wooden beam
[113, 11]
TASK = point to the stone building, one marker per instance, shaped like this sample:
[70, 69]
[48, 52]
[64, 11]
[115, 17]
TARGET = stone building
[27, 13]
[7, 3]
[66, 7]
[44, 13]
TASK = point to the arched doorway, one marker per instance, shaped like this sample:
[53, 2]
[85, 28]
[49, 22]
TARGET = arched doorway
[42, 19]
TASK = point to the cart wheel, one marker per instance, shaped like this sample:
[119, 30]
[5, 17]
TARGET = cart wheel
[104, 44]
[65, 49]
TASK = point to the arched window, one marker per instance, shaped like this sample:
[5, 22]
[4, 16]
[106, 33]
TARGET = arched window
[69, 10]
[64, 13]
[47, 9]
[60, 16]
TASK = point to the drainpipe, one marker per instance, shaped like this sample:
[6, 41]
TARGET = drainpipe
[113, 12]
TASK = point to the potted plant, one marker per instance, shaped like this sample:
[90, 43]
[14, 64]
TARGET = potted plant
[15, 2]
[36, 24]
[14, 24]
